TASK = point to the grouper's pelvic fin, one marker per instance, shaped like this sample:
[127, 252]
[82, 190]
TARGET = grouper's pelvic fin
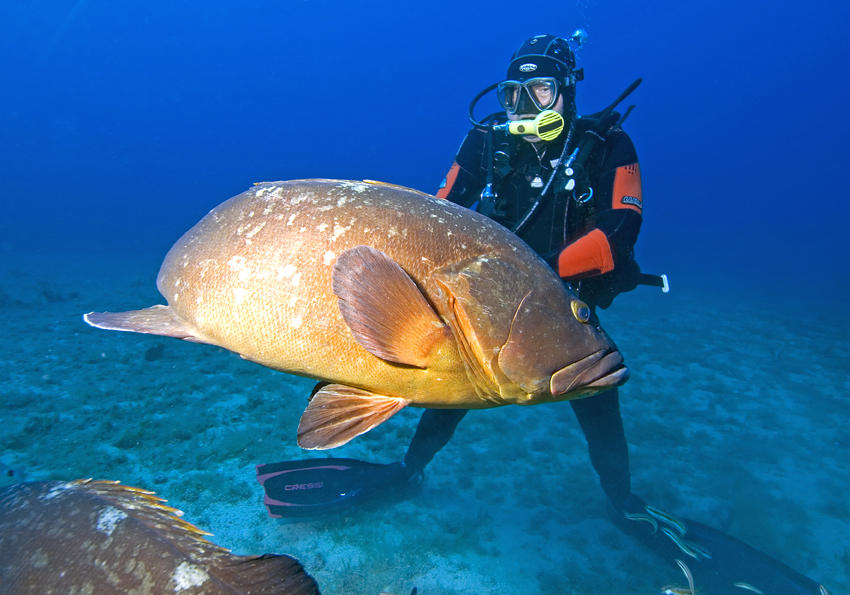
[385, 310]
[156, 320]
[337, 414]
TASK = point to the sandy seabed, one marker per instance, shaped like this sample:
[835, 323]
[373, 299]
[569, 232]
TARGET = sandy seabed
[736, 414]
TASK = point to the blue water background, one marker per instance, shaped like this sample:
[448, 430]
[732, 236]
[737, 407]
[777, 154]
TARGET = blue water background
[123, 123]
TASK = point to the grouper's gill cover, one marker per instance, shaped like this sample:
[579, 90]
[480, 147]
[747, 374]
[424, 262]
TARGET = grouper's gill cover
[391, 296]
[483, 294]
[521, 332]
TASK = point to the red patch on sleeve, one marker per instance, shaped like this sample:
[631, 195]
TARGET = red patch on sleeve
[627, 188]
[450, 181]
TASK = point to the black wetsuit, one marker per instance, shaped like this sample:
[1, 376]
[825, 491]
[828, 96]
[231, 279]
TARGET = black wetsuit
[559, 222]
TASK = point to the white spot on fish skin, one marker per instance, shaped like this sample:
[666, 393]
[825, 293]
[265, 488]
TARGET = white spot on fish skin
[305, 197]
[286, 271]
[239, 294]
[254, 231]
[41, 559]
[296, 322]
[339, 230]
[291, 218]
[239, 265]
[328, 258]
[322, 226]
[187, 576]
[56, 491]
[357, 187]
[109, 518]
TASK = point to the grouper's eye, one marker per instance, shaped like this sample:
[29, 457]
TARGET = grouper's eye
[581, 311]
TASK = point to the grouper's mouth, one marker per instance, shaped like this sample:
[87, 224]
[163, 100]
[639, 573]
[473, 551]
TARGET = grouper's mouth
[600, 371]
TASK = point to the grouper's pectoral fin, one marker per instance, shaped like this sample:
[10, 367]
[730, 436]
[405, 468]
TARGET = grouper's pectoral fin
[156, 320]
[385, 310]
[337, 414]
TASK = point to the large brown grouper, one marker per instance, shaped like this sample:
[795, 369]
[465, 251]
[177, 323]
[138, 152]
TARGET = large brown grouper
[392, 296]
[100, 537]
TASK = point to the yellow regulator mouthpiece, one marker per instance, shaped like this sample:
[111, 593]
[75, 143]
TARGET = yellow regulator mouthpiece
[547, 126]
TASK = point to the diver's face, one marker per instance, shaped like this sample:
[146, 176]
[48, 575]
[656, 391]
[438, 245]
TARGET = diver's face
[531, 113]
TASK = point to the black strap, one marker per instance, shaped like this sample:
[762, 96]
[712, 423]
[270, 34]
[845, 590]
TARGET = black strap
[651, 280]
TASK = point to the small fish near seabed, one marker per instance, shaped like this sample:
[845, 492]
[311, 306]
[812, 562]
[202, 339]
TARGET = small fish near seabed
[102, 537]
[391, 296]
[11, 475]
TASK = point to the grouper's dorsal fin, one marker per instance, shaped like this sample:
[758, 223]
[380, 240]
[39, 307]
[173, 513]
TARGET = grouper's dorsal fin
[337, 414]
[270, 573]
[156, 320]
[149, 509]
[385, 310]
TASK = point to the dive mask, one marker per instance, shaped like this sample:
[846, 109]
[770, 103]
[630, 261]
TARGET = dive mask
[542, 91]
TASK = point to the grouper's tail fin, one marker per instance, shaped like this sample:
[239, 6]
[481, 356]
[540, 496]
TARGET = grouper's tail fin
[156, 320]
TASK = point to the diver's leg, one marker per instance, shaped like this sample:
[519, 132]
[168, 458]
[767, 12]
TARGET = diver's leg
[600, 420]
[434, 431]
[719, 560]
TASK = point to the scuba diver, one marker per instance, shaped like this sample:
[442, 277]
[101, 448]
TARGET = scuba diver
[570, 187]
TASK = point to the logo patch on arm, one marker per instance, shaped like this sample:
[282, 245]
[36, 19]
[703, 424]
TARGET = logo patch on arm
[632, 200]
[627, 188]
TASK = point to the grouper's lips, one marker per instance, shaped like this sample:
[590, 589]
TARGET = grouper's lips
[601, 370]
